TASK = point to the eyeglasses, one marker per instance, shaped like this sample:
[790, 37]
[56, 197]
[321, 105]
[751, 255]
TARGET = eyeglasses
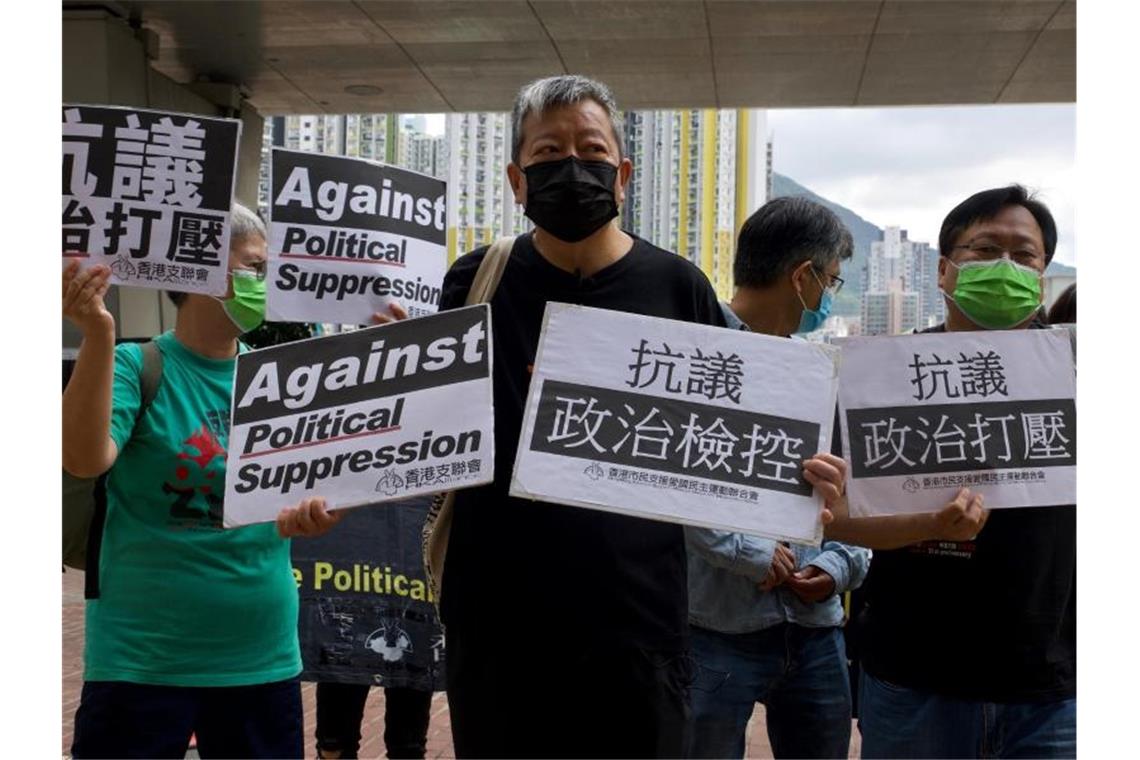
[835, 283]
[991, 251]
[258, 270]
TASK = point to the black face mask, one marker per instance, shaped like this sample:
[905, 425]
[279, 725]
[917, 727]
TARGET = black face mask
[571, 199]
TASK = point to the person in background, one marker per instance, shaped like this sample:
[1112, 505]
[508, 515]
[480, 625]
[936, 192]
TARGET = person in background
[1064, 309]
[767, 617]
[340, 711]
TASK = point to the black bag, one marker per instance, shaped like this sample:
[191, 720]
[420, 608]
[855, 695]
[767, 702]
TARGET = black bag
[85, 499]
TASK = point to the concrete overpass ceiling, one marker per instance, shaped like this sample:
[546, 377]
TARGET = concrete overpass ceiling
[298, 56]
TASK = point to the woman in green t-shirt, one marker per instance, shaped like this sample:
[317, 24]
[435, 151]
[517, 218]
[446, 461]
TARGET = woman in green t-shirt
[195, 627]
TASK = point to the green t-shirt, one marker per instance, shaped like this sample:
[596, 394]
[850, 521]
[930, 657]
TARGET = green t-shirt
[184, 602]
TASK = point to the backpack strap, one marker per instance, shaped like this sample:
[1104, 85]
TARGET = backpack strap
[490, 271]
[437, 527]
[150, 378]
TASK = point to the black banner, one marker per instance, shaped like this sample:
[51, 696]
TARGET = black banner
[428, 352]
[670, 435]
[366, 611]
[941, 438]
[355, 194]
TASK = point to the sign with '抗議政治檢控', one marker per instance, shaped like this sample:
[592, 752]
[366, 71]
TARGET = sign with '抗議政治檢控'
[925, 415]
[677, 422]
[348, 236]
[362, 417]
[148, 194]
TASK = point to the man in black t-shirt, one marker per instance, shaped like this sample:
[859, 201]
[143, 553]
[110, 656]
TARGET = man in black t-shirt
[969, 646]
[566, 627]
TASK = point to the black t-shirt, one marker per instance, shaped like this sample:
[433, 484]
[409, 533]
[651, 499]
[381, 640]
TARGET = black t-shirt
[535, 569]
[994, 619]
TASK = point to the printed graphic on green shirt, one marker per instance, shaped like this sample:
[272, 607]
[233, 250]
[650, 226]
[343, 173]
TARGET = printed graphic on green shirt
[199, 478]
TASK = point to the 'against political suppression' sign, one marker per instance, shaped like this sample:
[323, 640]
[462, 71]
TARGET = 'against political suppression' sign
[367, 613]
[348, 236]
[148, 193]
[924, 415]
[677, 422]
[367, 416]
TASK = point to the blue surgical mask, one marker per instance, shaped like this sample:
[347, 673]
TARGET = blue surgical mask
[813, 319]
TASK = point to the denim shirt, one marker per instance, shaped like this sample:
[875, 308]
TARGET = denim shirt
[725, 570]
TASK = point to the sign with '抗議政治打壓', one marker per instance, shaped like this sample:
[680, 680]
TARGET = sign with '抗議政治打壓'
[925, 415]
[348, 236]
[148, 194]
[367, 416]
[677, 422]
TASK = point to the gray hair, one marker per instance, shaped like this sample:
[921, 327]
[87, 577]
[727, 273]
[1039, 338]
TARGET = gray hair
[554, 92]
[783, 234]
[244, 222]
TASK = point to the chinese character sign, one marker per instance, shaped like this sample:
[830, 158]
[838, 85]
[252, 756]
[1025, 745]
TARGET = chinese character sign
[923, 415]
[348, 236]
[148, 193]
[677, 422]
[362, 417]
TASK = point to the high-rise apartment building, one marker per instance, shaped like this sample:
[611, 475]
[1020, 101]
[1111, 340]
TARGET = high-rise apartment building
[924, 265]
[901, 286]
[698, 174]
[480, 204]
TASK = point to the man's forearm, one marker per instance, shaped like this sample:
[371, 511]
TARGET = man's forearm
[885, 532]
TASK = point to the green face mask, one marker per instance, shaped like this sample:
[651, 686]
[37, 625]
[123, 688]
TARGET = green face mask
[998, 294]
[246, 308]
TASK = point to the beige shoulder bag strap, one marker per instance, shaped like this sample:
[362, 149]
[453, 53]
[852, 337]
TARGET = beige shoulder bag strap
[437, 527]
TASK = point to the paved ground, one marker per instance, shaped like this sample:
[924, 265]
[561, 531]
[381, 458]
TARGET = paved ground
[439, 733]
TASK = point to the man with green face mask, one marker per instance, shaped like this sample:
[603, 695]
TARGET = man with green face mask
[969, 646]
[194, 628]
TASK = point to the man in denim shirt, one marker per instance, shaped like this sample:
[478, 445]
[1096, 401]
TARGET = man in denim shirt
[766, 617]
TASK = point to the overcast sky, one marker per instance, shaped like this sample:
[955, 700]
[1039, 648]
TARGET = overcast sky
[909, 166]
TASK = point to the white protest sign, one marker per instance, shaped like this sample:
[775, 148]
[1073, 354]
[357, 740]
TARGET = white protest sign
[924, 415]
[362, 417]
[348, 236]
[677, 422]
[148, 194]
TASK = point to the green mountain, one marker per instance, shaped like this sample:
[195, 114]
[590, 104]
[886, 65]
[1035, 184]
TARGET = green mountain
[864, 233]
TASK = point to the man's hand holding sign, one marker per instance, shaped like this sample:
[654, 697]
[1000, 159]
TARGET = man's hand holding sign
[312, 517]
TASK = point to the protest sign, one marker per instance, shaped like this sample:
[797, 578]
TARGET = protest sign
[361, 417]
[367, 614]
[677, 422]
[348, 236]
[924, 415]
[148, 194]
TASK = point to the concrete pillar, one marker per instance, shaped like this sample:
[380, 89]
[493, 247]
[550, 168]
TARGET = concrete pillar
[249, 156]
[105, 63]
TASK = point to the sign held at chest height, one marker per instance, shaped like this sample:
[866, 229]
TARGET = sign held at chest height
[348, 236]
[924, 415]
[676, 422]
[148, 194]
[362, 417]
